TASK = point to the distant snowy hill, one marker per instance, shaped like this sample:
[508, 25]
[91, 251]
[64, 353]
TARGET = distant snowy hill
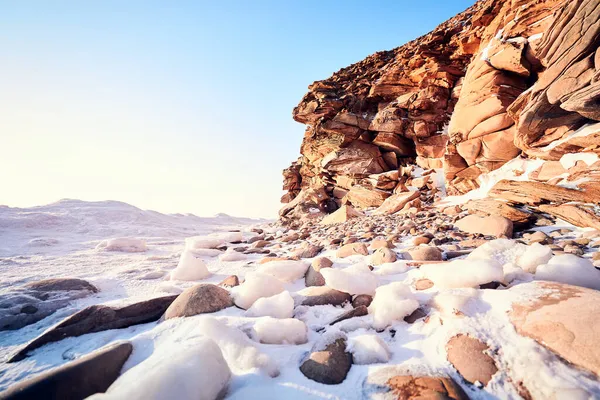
[71, 222]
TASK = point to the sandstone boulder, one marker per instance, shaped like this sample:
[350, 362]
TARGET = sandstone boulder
[491, 226]
[322, 295]
[382, 255]
[395, 203]
[343, 214]
[565, 320]
[352, 249]
[425, 253]
[199, 299]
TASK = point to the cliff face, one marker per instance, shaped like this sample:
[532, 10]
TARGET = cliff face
[502, 78]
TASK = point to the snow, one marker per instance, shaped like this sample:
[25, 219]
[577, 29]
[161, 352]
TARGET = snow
[570, 159]
[232, 255]
[279, 306]
[368, 349]
[392, 302]
[190, 268]
[127, 245]
[286, 270]
[280, 331]
[188, 370]
[355, 279]
[256, 285]
[570, 269]
[534, 255]
[463, 273]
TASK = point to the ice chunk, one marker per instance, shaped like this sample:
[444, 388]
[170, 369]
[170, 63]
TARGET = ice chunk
[570, 269]
[281, 331]
[232, 255]
[368, 349]
[463, 273]
[190, 268]
[286, 271]
[228, 237]
[279, 306]
[127, 245]
[172, 372]
[391, 303]
[255, 286]
[356, 279]
[534, 255]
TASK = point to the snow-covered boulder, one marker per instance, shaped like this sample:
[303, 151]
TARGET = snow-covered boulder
[232, 255]
[355, 279]
[570, 269]
[368, 349]
[535, 255]
[281, 331]
[279, 306]
[391, 303]
[190, 268]
[255, 286]
[463, 273]
[241, 353]
[285, 270]
[127, 245]
[194, 370]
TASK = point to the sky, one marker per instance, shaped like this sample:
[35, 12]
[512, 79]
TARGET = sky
[175, 106]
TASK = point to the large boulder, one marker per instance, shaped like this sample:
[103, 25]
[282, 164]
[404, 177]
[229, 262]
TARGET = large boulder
[79, 379]
[396, 202]
[313, 275]
[363, 197]
[98, 318]
[343, 214]
[490, 226]
[564, 319]
[199, 299]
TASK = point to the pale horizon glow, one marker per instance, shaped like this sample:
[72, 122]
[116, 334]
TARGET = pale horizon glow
[181, 107]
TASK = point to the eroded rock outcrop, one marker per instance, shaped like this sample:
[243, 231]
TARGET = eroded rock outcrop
[501, 79]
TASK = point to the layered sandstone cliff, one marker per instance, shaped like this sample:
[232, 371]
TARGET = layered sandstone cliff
[502, 79]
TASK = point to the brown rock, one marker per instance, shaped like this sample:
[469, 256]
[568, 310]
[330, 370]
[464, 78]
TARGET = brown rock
[492, 226]
[467, 355]
[362, 300]
[199, 299]
[343, 214]
[407, 387]
[355, 312]
[230, 281]
[330, 365]
[395, 203]
[313, 275]
[577, 214]
[382, 255]
[352, 249]
[425, 253]
[423, 284]
[62, 284]
[379, 243]
[322, 295]
[363, 197]
[307, 251]
[498, 208]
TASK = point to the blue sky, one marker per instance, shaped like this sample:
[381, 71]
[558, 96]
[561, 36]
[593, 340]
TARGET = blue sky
[175, 106]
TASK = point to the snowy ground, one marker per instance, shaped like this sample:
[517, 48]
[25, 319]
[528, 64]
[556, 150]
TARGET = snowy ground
[67, 239]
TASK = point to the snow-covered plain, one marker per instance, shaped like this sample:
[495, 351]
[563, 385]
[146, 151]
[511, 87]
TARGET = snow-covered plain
[262, 348]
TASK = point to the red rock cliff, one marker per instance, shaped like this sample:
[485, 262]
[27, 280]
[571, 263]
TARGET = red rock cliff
[500, 79]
